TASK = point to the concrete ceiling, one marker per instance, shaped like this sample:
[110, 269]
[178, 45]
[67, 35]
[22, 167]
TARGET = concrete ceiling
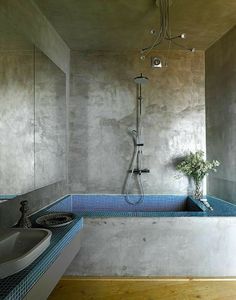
[11, 39]
[125, 24]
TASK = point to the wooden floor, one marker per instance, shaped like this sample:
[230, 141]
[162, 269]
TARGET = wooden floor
[85, 288]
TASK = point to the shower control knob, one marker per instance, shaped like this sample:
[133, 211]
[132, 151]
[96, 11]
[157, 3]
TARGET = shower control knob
[139, 171]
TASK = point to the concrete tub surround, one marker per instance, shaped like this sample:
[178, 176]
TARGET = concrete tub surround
[102, 108]
[196, 247]
[200, 244]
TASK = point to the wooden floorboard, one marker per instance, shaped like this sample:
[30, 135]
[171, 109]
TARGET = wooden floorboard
[83, 288]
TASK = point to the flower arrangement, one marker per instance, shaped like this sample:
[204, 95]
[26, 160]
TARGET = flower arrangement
[195, 166]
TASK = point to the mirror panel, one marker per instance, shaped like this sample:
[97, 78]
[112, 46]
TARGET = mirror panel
[17, 112]
[50, 121]
[33, 116]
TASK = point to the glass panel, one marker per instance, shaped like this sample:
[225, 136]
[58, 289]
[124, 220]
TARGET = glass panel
[50, 121]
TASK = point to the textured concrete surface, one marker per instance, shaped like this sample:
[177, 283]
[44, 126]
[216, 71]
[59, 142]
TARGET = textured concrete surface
[17, 121]
[29, 20]
[102, 108]
[50, 122]
[221, 115]
[157, 247]
[120, 24]
[11, 39]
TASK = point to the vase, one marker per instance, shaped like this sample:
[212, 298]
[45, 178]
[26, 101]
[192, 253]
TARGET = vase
[198, 192]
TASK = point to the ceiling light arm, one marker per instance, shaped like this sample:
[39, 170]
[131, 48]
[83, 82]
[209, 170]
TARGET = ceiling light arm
[180, 36]
[164, 32]
[181, 46]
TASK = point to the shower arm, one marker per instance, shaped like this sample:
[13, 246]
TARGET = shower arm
[139, 113]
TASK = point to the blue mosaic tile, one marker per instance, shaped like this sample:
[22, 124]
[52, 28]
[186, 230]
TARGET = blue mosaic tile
[7, 197]
[221, 207]
[64, 204]
[116, 206]
[152, 206]
[16, 286]
[150, 203]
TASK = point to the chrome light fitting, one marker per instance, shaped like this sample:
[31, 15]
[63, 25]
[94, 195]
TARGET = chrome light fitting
[164, 32]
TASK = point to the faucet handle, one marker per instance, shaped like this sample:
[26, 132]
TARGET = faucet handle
[24, 220]
[24, 206]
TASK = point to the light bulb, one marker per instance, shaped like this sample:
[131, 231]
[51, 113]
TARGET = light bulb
[183, 35]
[142, 57]
[152, 31]
[193, 50]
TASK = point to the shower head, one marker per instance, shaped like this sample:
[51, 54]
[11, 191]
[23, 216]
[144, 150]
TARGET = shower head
[141, 79]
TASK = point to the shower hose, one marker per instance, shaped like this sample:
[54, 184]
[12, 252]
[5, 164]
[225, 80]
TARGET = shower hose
[136, 159]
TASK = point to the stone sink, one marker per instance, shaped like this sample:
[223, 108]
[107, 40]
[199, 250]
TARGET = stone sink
[19, 247]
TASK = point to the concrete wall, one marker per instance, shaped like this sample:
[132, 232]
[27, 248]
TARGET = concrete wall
[157, 247]
[102, 108]
[221, 115]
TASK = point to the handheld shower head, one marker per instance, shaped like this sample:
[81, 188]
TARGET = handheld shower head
[133, 133]
[141, 79]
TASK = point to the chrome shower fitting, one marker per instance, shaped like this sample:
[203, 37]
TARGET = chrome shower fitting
[135, 167]
[206, 203]
[141, 79]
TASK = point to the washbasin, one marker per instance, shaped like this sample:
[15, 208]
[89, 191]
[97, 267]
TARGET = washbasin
[19, 247]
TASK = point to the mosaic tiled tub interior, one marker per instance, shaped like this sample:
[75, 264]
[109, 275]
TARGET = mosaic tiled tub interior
[115, 205]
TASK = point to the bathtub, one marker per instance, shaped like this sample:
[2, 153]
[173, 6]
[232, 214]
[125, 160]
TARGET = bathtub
[116, 206]
[165, 235]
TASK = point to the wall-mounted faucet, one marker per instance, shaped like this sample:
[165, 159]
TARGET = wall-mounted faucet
[206, 203]
[24, 221]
